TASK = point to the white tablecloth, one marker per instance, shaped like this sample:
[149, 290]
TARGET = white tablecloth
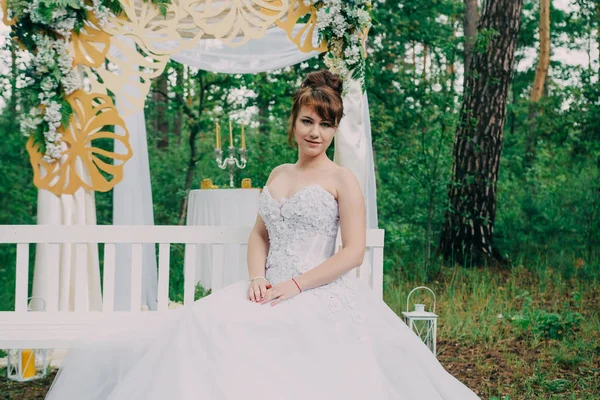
[222, 207]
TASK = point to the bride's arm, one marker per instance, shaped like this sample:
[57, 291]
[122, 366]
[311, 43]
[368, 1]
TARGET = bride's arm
[258, 242]
[353, 227]
[258, 248]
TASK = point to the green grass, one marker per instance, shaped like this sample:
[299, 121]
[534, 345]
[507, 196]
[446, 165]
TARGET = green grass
[518, 333]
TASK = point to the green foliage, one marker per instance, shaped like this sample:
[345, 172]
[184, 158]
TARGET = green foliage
[556, 326]
[543, 324]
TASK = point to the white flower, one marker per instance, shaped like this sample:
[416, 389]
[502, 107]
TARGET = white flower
[339, 25]
[53, 152]
[71, 82]
[48, 84]
[30, 122]
[352, 55]
[59, 14]
[52, 135]
[64, 26]
[364, 19]
[65, 59]
[34, 12]
[52, 114]
[100, 11]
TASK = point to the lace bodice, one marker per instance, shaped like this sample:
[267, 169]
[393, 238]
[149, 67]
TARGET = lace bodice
[302, 234]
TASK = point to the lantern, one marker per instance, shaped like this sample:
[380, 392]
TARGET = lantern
[421, 322]
[27, 364]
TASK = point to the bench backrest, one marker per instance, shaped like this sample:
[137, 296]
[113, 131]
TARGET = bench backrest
[20, 328]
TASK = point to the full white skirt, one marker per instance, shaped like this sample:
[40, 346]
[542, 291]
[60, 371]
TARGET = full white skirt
[225, 347]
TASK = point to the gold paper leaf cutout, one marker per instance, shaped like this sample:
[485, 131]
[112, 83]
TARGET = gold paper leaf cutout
[237, 21]
[5, 19]
[83, 165]
[304, 36]
[141, 44]
[91, 45]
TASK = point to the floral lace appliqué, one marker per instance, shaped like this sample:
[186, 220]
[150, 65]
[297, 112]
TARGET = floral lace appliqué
[309, 219]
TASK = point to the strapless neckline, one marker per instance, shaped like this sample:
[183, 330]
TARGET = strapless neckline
[285, 199]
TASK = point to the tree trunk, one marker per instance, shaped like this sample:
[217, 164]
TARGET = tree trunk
[178, 114]
[161, 120]
[598, 30]
[467, 235]
[470, 28]
[262, 103]
[189, 174]
[451, 70]
[537, 91]
[544, 57]
[194, 158]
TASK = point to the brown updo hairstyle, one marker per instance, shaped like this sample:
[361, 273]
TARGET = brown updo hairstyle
[321, 91]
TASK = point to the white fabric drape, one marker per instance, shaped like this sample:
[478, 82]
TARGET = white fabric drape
[274, 50]
[371, 186]
[55, 267]
[132, 205]
[353, 147]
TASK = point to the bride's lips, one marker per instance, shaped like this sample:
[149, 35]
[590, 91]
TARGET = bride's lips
[312, 144]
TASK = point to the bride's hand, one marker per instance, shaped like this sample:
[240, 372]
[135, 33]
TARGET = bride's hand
[258, 289]
[280, 292]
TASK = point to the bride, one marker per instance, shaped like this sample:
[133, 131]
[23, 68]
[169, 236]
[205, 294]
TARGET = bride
[302, 328]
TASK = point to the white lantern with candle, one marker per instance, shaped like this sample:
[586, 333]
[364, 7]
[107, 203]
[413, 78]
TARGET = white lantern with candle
[28, 364]
[422, 322]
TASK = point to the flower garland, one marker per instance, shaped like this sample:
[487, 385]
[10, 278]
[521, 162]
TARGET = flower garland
[44, 28]
[341, 24]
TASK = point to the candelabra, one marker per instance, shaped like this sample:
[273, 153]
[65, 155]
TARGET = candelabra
[232, 162]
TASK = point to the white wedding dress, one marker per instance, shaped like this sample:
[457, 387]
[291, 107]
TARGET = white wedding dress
[337, 341]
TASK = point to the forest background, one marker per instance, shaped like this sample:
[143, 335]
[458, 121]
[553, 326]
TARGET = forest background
[522, 327]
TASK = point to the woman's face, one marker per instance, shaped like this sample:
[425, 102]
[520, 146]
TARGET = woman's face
[313, 134]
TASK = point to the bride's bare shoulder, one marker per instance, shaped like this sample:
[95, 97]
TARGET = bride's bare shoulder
[346, 182]
[282, 169]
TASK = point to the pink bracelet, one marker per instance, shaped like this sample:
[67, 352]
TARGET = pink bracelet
[297, 285]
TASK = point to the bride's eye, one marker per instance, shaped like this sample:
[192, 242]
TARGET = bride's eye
[306, 121]
[326, 125]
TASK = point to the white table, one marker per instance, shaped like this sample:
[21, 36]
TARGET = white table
[222, 207]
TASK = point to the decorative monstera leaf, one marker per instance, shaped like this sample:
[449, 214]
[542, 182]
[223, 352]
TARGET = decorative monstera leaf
[86, 161]
[91, 44]
[236, 21]
[304, 37]
[5, 17]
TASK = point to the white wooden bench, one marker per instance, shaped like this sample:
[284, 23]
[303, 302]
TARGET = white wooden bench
[54, 329]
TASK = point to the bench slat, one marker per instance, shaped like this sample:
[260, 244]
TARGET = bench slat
[108, 292]
[22, 277]
[378, 271]
[81, 277]
[218, 267]
[189, 272]
[164, 255]
[136, 277]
